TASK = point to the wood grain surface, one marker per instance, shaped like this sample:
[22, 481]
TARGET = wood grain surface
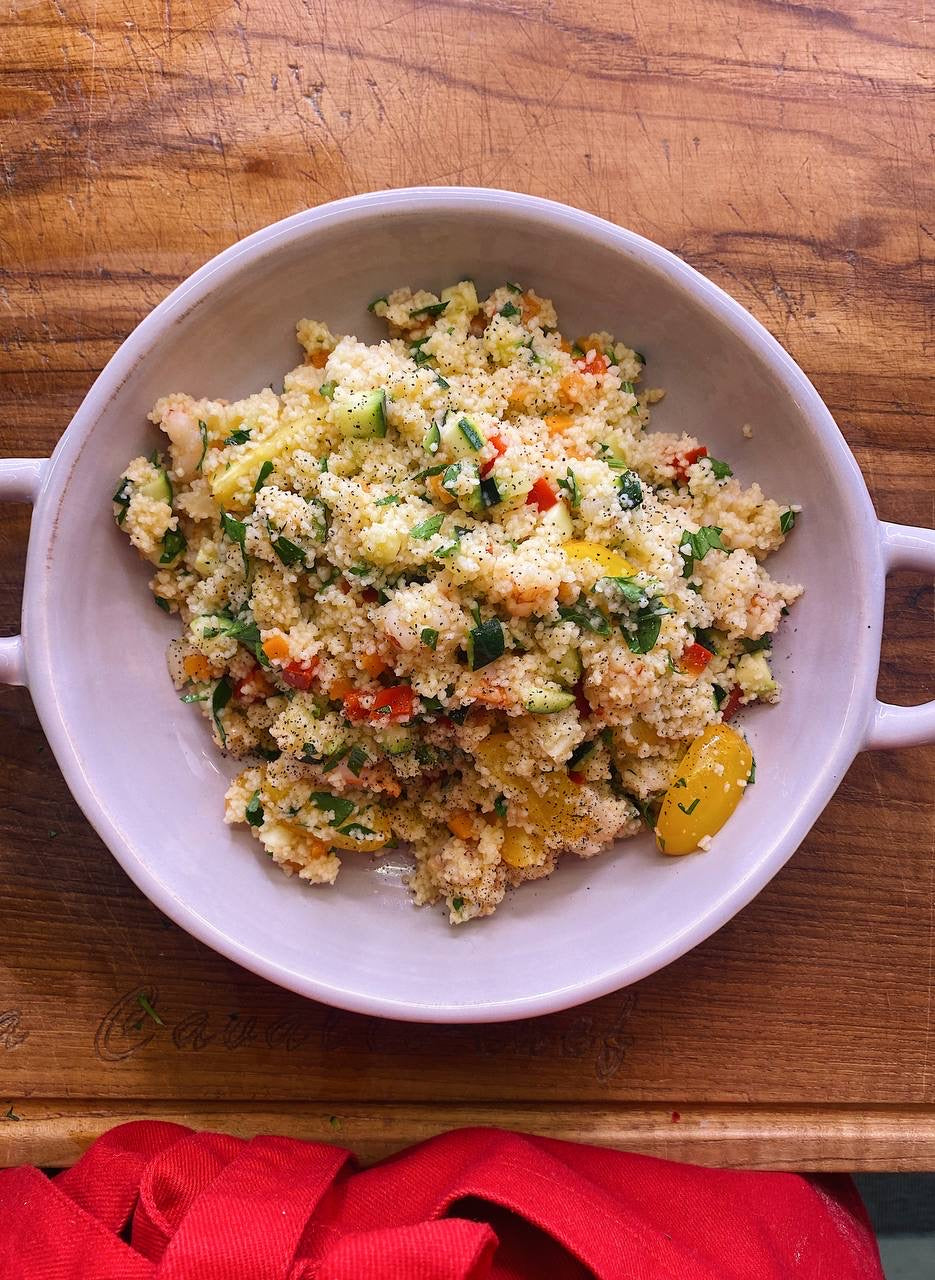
[783, 149]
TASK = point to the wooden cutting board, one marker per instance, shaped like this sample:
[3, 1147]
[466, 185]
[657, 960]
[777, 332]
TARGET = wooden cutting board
[780, 148]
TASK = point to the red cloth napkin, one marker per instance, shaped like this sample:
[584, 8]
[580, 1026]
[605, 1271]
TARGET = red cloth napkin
[153, 1201]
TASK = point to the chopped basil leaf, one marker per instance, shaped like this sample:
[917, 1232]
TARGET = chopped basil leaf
[754, 646]
[173, 544]
[485, 643]
[719, 694]
[681, 783]
[267, 753]
[356, 829]
[787, 520]
[706, 638]
[499, 806]
[419, 356]
[628, 387]
[194, 697]
[264, 471]
[433, 439]
[335, 808]
[323, 464]
[640, 357]
[254, 811]
[236, 530]
[751, 776]
[509, 310]
[219, 700]
[162, 604]
[471, 434]
[428, 528]
[429, 637]
[240, 436]
[372, 306]
[457, 904]
[360, 570]
[442, 382]
[695, 546]
[203, 432]
[533, 354]
[356, 760]
[589, 619]
[247, 633]
[692, 807]
[431, 471]
[721, 469]
[633, 592]
[641, 806]
[327, 389]
[645, 635]
[570, 485]
[122, 498]
[432, 309]
[287, 551]
[513, 288]
[629, 490]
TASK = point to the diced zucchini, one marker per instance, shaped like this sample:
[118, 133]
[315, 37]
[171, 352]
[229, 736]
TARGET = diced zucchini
[160, 488]
[361, 416]
[513, 490]
[207, 558]
[582, 754]
[485, 643]
[557, 520]
[452, 480]
[548, 699]
[754, 675]
[460, 438]
[225, 484]
[395, 740]
[568, 667]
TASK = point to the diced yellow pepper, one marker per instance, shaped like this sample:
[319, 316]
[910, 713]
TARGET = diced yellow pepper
[706, 791]
[562, 809]
[226, 483]
[613, 564]
[522, 849]
[377, 823]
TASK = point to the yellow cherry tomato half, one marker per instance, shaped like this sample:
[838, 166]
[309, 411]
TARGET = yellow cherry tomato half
[365, 832]
[706, 791]
[611, 563]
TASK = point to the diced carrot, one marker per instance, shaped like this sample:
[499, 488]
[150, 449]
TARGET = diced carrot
[340, 688]
[276, 648]
[558, 422]
[542, 495]
[253, 687]
[518, 393]
[373, 664]
[461, 824]
[593, 362]
[573, 389]
[695, 658]
[531, 306]
[197, 667]
[318, 359]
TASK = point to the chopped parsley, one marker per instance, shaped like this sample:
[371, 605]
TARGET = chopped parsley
[513, 288]
[442, 382]
[162, 604]
[632, 591]
[372, 306]
[629, 489]
[262, 474]
[457, 904]
[122, 498]
[203, 432]
[431, 310]
[288, 552]
[428, 528]
[786, 520]
[254, 811]
[335, 808]
[721, 469]
[695, 546]
[148, 1009]
[499, 806]
[240, 436]
[356, 760]
[692, 807]
[219, 700]
[390, 500]
[587, 618]
[357, 830]
[327, 390]
[508, 310]
[755, 646]
[570, 485]
[173, 544]
[335, 757]
[429, 637]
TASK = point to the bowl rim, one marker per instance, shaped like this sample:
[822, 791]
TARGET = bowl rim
[38, 608]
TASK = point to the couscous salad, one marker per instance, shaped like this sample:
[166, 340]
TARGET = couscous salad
[448, 590]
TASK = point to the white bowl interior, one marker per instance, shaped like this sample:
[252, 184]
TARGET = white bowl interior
[148, 758]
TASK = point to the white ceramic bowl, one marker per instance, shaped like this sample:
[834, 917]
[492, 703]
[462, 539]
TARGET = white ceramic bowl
[142, 767]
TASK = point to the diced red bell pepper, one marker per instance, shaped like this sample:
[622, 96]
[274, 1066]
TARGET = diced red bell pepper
[732, 704]
[542, 495]
[695, 658]
[596, 364]
[500, 447]
[370, 595]
[682, 461]
[300, 674]
[581, 702]
[576, 777]
[382, 707]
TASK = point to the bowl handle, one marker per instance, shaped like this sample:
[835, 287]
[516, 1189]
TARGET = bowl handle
[20, 481]
[903, 547]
